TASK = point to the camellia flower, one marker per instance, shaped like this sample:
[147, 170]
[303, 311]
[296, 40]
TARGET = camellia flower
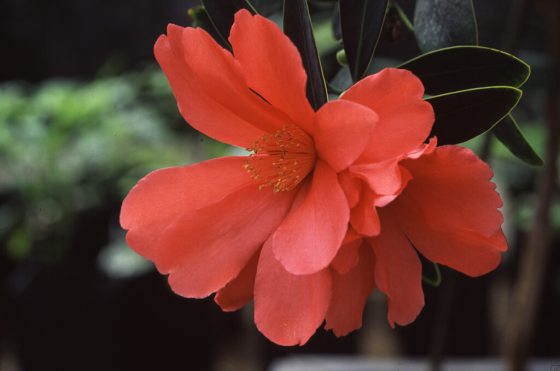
[328, 205]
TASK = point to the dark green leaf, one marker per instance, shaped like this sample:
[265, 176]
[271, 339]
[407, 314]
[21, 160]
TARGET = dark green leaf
[509, 134]
[336, 28]
[442, 23]
[361, 22]
[465, 114]
[341, 81]
[297, 25]
[465, 67]
[267, 7]
[400, 15]
[221, 14]
[322, 2]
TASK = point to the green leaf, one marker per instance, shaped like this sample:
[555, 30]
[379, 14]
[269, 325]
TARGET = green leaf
[341, 57]
[267, 7]
[507, 131]
[297, 26]
[442, 23]
[361, 22]
[465, 67]
[221, 13]
[465, 114]
[341, 81]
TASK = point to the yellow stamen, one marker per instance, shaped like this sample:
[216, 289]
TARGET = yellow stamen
[281, 159]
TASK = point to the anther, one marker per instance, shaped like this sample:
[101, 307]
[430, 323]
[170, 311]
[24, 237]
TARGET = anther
[282, 159]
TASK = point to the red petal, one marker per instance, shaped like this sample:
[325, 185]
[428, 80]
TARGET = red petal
[347, 256]
[205, 249]
[363, 217]
[424, 149]
[450, 210]
[272, 65]
[289, 308]
[453, 186]
[351, 235]
[211, 90]
[164, 195]
[465, 251]
[342, 130]
[351, 186]
[499, 240]
[384, 178]
[309, 238]
[350, 293]
[398, 272]
[238, 291]
[405, 119]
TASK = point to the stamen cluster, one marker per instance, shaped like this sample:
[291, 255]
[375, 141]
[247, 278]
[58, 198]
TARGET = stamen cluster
[281, 159]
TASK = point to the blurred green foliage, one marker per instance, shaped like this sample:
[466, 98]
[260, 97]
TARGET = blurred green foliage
[67, 146]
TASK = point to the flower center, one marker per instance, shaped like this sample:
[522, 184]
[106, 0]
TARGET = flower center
[281, 159]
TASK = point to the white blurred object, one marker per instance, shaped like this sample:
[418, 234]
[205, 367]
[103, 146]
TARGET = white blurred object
[326, 363]
[117, 260]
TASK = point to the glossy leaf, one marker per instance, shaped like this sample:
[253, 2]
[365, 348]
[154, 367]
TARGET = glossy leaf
[465, 114]
[297, 25]
[361, 23]
[267, 7]
[443, 23]
[336, 27]
[509, 134]
[341, 81]
[465, 67]
[221, 13]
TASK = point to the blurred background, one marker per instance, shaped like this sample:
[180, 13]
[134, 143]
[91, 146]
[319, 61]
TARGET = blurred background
[85, 112]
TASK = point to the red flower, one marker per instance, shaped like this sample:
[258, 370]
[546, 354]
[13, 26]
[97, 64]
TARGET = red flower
[330, 203]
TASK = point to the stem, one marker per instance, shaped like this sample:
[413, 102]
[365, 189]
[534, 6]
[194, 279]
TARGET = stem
[402, 15]
[528, 290]
[433, 282]
[443, 309]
